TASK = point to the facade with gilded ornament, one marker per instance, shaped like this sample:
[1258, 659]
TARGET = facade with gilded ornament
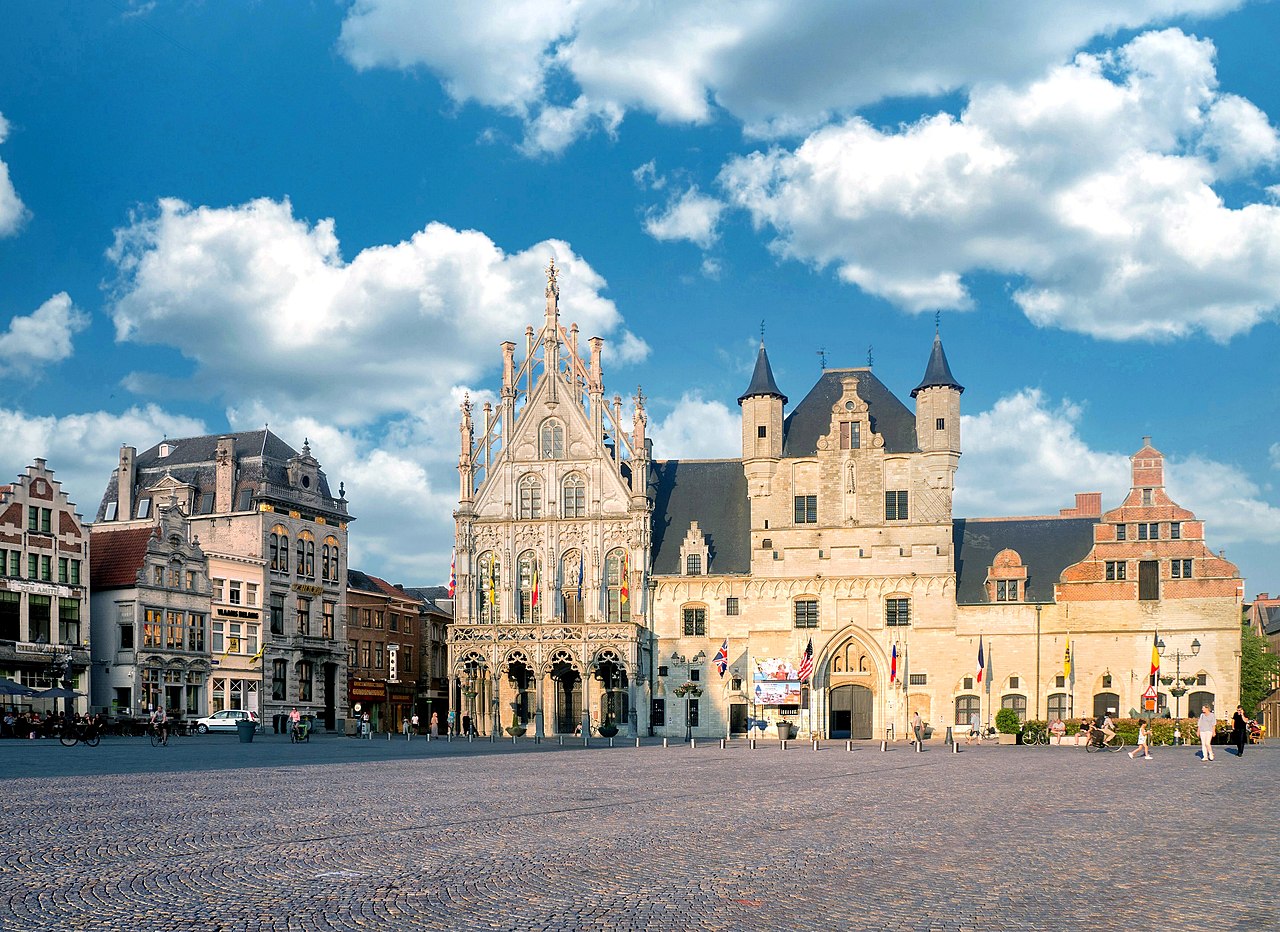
[830, 542]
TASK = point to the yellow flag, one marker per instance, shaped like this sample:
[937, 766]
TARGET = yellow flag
[1066, 661]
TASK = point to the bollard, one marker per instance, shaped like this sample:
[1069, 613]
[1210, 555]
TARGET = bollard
[513, 739]
[665, 743]
[783, 742]
[562, 741]
[753, 744]
[586, 742]
[848, 745]
[610, 742]
[388, 737]
[722, 744]
[919, 746]
[493, 737]
[470, 739]
[955, 747]
[637, 742]
[884, 745]
[950, 738]
[815, 744]
[693, 742]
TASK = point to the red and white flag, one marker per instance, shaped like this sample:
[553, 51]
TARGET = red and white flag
[806, 663]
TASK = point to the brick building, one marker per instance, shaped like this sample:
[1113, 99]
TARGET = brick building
[383, 631]
[44, 594]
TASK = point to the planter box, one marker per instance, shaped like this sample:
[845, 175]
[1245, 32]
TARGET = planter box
[1008, 739]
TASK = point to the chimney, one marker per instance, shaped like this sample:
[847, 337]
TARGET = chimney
[224, 475]
[1088, 505]
[126, 477]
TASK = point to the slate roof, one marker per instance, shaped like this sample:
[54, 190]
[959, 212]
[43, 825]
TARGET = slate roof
[711, 492]
[116, 556]
[811, 418]
[762, 382]
[937, 373]
[363, 582]
[203, 449]
[1271, 619]
[1047, 546]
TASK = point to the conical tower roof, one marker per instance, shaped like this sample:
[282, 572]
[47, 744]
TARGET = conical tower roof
[937, 373]
[762, 382]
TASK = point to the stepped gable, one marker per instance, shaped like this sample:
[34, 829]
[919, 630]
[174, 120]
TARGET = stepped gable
[115, 556]
[1047, 546]
[811, 418]
[711, 492]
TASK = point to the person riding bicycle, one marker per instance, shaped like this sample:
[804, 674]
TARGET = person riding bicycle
[160, 722]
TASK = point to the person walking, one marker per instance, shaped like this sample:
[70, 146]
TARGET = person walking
[450, 722]
[364, 725]
[435, 724]
[975, 729]
[413, 723]
[1239, 730]
[1144, 743]
[1205, 726]
[404, 727]
[917, 729]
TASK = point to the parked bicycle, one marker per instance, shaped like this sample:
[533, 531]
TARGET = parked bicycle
[80, 732]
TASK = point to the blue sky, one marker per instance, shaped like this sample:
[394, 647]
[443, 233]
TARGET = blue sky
[326, 217]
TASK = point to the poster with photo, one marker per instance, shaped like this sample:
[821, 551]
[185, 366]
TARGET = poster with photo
[775, 681]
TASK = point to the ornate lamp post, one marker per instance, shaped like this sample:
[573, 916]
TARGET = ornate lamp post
[1178, 683]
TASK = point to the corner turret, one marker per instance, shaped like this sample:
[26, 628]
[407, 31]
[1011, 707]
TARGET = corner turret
[761, 405]
[938, 405]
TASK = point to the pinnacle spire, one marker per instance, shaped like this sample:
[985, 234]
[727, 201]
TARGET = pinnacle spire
[762, 382]
[937, 373]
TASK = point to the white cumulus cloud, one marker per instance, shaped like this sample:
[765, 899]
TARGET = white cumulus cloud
[692, 216]
[1092, 188]
[41, 337]
[83, 448]
[776, 67]
[257, 297]
[12, 211]
[696, 428]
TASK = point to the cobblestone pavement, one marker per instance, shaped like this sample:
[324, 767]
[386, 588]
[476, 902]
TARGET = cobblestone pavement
[211, 834]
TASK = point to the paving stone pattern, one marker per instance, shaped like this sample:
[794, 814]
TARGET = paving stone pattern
[210, 834]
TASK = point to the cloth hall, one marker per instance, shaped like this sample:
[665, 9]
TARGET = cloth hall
[600, 588]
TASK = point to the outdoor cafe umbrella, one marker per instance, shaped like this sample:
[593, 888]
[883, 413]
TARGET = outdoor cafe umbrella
[56, 692]
[9, 688]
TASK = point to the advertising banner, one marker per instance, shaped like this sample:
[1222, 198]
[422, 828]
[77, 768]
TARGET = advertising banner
[776, 681]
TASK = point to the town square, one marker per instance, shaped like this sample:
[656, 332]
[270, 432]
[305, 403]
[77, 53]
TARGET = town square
[212, 834]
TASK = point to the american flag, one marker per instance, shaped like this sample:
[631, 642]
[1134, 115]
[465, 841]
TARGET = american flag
[722, 657]
[806, 663]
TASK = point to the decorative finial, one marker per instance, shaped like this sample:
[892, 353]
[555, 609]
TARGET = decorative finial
[342, 491]
[553, 288]
[869, 357]
[639, 398]
[822, 358]
[306, 446]
[762, 331]
[937, 323]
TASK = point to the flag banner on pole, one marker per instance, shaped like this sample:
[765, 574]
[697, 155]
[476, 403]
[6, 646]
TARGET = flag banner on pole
[806, 663]
[893, 665]
[582, 562]
[625, 595]
[493, 583]
[1155, 656]
[981, 664]
[1066, 660]
[533, 586]
[722, 658]
[453, 574]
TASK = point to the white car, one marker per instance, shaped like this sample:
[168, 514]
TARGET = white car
[226, 720]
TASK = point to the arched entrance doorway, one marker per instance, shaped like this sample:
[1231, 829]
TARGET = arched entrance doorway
[566, 694]
[849, 712]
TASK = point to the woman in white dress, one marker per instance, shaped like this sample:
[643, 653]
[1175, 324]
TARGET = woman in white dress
[1206, 724]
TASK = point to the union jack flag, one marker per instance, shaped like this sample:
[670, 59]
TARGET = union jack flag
[722, 657]
[806, 663]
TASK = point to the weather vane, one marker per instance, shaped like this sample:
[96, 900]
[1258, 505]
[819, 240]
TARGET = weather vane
[822, 358]
[762, 331]
[868, 357]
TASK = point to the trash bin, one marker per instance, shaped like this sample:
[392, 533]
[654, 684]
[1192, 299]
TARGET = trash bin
[245, 728]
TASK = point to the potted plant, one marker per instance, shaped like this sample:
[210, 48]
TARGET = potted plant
[515, 730]
[608, 730]
[1008, 724]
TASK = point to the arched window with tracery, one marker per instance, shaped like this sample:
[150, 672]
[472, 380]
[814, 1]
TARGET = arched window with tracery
[488, 586]
[329, 553]
[278, 549]
[551, 439]
[574, 496]
[530, 497]
[533, 588]
[306, 563]
[617, 580]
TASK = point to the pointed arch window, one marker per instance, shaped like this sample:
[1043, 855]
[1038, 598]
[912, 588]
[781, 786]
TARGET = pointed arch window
[530, 497]
[617, 573]
[574, 496]
[278, 549]
[573, 579]
[533, 589]
[488, 580]
[551, 439]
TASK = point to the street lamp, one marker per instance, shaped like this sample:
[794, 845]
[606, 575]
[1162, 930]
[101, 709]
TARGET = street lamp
[1178, 683]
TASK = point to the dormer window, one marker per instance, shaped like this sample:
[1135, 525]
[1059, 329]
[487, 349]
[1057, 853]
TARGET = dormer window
[693, 564]
[695, 556]
[850, 435]
[165, 450]
[144, 508]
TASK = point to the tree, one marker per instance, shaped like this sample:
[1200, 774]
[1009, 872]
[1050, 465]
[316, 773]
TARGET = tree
[1259, 670]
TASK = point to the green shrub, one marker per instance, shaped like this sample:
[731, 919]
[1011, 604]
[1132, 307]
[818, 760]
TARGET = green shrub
[1033, 731]
[1007, 722]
